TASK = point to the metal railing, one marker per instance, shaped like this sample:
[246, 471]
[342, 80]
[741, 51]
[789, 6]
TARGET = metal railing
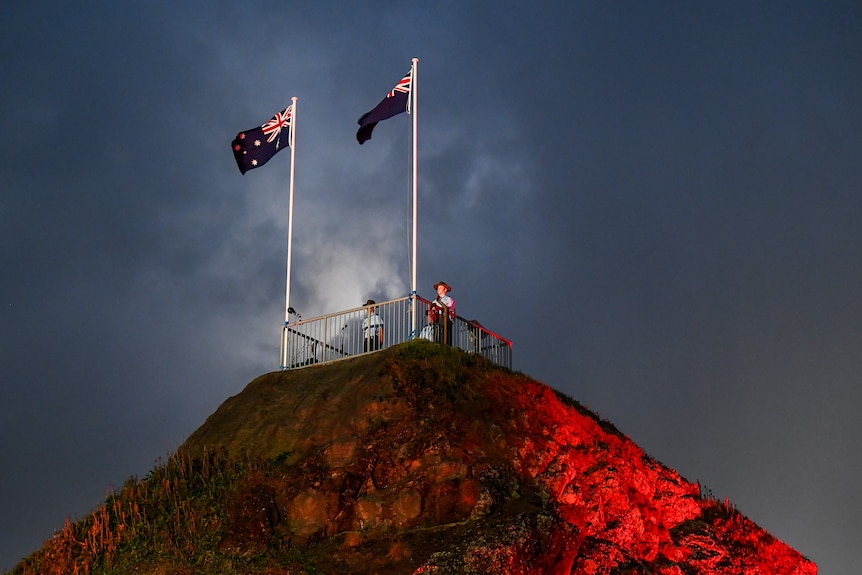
[357, 331]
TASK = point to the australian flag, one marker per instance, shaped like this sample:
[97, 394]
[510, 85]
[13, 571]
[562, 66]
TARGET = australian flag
[253, 148]
[393, 104]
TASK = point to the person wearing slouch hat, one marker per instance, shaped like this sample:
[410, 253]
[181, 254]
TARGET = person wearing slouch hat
[443, 312]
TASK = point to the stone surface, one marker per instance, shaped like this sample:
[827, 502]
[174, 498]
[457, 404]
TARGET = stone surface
[461, 467]
[414, 460]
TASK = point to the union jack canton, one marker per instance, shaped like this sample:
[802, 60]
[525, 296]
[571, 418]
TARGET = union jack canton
[249, 149]
[395, 102]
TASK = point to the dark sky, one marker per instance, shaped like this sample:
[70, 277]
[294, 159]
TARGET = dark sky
[659, 203]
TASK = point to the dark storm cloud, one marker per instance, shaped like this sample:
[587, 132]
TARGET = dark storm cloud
[657, 203]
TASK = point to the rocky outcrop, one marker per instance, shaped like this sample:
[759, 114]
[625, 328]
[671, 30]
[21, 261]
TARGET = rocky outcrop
[413, 460]
[427, 460]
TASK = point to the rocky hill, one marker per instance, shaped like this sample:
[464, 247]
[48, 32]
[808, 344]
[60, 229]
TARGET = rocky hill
[413, 460]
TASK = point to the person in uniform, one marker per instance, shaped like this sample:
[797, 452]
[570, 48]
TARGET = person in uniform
[443, 309]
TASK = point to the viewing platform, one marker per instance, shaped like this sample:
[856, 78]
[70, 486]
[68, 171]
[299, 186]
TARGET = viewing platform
[343, 334]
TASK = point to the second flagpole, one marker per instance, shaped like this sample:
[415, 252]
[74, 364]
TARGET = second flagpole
[292, 144]
[414, 109]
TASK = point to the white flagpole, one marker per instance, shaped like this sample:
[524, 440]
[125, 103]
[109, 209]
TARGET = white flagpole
[292, 140]
[414, 85]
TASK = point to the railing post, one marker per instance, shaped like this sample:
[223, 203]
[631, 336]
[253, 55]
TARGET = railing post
[283, 349]
[413, 315]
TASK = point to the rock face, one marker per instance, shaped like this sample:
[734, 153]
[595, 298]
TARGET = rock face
[413, 460]
[426, 460]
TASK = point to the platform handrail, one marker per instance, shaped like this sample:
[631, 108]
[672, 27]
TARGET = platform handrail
[349, 333]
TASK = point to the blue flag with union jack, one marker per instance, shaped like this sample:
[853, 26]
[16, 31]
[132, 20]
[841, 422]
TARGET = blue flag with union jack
[253, 148]
[393, 104]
